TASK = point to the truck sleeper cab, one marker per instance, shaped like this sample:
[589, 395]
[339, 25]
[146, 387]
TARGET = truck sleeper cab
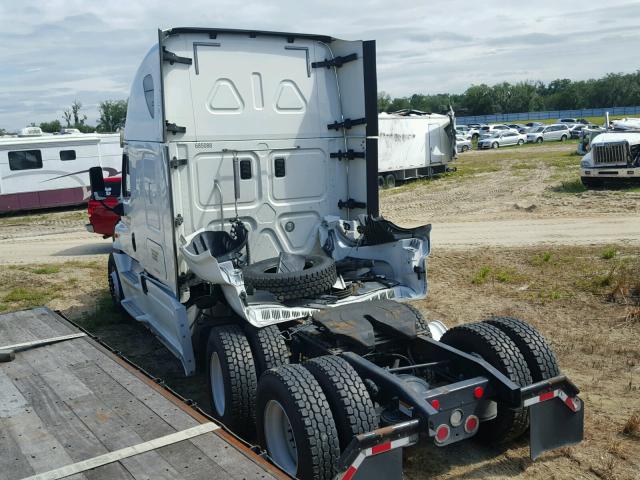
[250, 244]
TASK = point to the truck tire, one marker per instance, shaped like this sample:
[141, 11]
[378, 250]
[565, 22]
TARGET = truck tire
[232, 378]
[295, 424]
[318, 276]
[536, 351]
[268, 347]
[498, 350]
[380, 181]
[115, 287]
[390, 181]
[350, 403]
[422, 325]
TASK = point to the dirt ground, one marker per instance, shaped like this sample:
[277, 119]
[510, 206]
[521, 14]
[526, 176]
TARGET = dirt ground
[582, 295]
[528, 182]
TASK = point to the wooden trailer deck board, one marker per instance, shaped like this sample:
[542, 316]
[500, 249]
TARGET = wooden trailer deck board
[74, 400]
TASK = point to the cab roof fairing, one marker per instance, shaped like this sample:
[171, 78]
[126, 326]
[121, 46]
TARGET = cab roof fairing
[212, 32]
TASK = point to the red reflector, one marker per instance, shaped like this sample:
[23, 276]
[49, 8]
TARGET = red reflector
[442, 433]
[435, 404]
[349, 473]
[546, 396]
[478, 392]
[471, 424]
[381, 448]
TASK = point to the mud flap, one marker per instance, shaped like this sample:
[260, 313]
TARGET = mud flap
[555, 424]
[377, 455]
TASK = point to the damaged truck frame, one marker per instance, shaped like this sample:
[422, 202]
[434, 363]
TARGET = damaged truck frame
[250, 244]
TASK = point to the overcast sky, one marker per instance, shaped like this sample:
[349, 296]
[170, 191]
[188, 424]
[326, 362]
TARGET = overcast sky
[56, 50]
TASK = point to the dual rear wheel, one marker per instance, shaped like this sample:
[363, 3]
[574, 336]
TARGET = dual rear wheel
[306, 414]
[519, 352]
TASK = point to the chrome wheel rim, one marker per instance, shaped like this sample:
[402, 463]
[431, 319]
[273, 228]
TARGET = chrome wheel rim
[281, 444]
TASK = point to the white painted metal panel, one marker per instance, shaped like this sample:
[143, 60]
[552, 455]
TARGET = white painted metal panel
[249, 88]
[406, 142]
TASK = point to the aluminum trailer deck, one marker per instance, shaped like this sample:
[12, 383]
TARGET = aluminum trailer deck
[73, 409]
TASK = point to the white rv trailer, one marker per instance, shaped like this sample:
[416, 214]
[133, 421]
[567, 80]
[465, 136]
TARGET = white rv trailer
[414, 144]
[41, 171]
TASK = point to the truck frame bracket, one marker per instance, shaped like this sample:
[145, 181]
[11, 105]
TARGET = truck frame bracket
[173, 128]
[347, 123]
[172, 58]
[349, 154]
[351, 204]
[335, 61]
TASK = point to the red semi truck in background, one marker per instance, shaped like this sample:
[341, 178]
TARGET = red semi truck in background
[101, 219]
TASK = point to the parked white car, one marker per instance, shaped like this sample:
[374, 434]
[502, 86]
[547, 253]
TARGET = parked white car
[502, 139]
[487, 131]
[468, 132]
[531, 126]
[558, 131]
[568, 121]
[463, 143]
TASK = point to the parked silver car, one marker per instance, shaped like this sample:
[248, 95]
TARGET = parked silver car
[502, 139]
[463, 143]
[558, 131]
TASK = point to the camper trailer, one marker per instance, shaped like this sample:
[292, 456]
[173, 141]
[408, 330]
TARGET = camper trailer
[40, 170]
[251, 244]
[414, 144]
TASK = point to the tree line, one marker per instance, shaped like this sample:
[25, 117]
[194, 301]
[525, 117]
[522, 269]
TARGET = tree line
[612, 90]
[113, 114]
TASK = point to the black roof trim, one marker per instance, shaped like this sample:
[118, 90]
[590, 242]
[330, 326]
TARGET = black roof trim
[251, 33]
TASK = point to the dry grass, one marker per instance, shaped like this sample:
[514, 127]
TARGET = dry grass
[566, 293]
[57, 285]
[632, 427]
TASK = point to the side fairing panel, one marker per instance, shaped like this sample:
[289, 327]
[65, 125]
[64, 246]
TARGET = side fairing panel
[144, 110]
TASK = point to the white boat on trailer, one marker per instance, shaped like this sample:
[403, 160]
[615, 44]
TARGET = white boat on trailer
[40, 170]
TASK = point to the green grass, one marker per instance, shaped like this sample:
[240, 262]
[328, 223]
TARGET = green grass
[541, 258]
[31, 297]
[594, 120]
[608, 253]
[78, 215]
[103, 313]
[553, 293]
[46, 270]
[496, 274]
[570, 186]
[524, 166]
[481, 276]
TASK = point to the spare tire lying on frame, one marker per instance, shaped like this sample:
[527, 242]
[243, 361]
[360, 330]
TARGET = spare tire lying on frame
[318, 275]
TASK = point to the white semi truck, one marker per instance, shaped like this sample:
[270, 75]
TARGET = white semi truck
[613, 155]
[250, 244]
[414, 144]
